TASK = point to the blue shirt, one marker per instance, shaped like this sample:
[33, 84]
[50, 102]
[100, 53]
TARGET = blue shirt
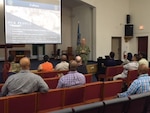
[73, 78]
[140, 85]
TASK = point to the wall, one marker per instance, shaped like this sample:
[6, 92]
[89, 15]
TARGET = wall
[83, 15]
[139, 16]
[110, 21]
[66, 29]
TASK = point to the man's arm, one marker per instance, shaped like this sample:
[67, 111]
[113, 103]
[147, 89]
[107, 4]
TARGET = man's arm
[59, 85]
[131, 90]
[43, 87]
[4, 90]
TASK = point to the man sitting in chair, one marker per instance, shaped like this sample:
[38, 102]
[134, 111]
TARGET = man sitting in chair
[141, 84]
[73, 78]
[24, 81]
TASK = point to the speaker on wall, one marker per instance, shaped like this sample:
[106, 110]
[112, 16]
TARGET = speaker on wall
[129, 30]
[127, 19]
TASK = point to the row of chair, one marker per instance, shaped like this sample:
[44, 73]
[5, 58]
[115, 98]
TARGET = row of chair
[51, 74]
[139, 103]
[110, 72]
[60, 98]
[114, 70]
[52, 82]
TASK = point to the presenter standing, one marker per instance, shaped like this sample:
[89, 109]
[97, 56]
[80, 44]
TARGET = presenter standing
[83, 51]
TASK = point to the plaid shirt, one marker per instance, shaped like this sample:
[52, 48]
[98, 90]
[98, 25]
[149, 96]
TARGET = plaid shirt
[140, 85]
[73, 78]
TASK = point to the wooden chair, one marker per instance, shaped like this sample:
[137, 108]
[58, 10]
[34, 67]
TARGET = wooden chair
[118, 105]
[132, 75]
[111, 88]
[119, 69]
[52, 100]
[97, 107]
[61, 73]
[66, 110]
[137, 103]
[52, 74]
[147, 104]
[52, 82]
[110, 72]
[48, 74]
[93, 92]
[1, 85]
[73, 96]
[3, 101]
[25, 103]
[88, 78]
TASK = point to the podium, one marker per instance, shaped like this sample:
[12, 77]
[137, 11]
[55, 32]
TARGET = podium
[18, 54]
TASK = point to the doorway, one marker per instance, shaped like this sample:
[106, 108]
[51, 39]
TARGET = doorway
[143, 45]
[116, 47]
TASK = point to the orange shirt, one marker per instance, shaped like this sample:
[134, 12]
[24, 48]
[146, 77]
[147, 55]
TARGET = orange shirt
[47, 66]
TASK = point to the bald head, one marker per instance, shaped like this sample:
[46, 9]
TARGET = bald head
[143, 69]
[78, 59]
[73, 65]
[63, 58]
[25, 63]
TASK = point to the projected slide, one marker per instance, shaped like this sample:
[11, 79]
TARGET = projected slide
[30, 22]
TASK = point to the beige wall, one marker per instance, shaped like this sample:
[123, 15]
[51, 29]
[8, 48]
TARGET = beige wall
[110, 21]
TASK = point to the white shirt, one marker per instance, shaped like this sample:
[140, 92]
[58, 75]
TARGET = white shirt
[63, 65]
[130, 66]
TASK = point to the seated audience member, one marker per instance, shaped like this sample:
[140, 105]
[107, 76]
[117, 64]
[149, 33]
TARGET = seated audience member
[10, 66]
[133, 65]
[127, 58]
[46, 66]
[141, 84]
[73, 78]
[63, 65]
[111, 61]
[14, 67]
[143, 59]
[24, 81]
[81, 67]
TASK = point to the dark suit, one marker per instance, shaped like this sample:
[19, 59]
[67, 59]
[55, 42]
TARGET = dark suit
[110, 62]
[82, 69]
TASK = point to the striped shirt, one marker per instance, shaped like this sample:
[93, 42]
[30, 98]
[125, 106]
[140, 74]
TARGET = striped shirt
[140, 85]
[73, 78]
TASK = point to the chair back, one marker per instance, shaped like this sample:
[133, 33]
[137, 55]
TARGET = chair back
[111, 88]
[119, 69]
[132, 75]
[51, 100]
[93, 92]
[109, 74]
[3, 101]
[25, 103]
[74, 96]
[52, 82]
[88, 78]
[118, 105]
[97, 107]
[48, 74]
[1, 85]
[137, 103]
[66, 110]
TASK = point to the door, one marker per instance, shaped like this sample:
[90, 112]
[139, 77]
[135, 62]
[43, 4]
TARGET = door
[143, 45]
[116, 47]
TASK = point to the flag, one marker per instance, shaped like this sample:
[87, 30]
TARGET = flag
[78, 35]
